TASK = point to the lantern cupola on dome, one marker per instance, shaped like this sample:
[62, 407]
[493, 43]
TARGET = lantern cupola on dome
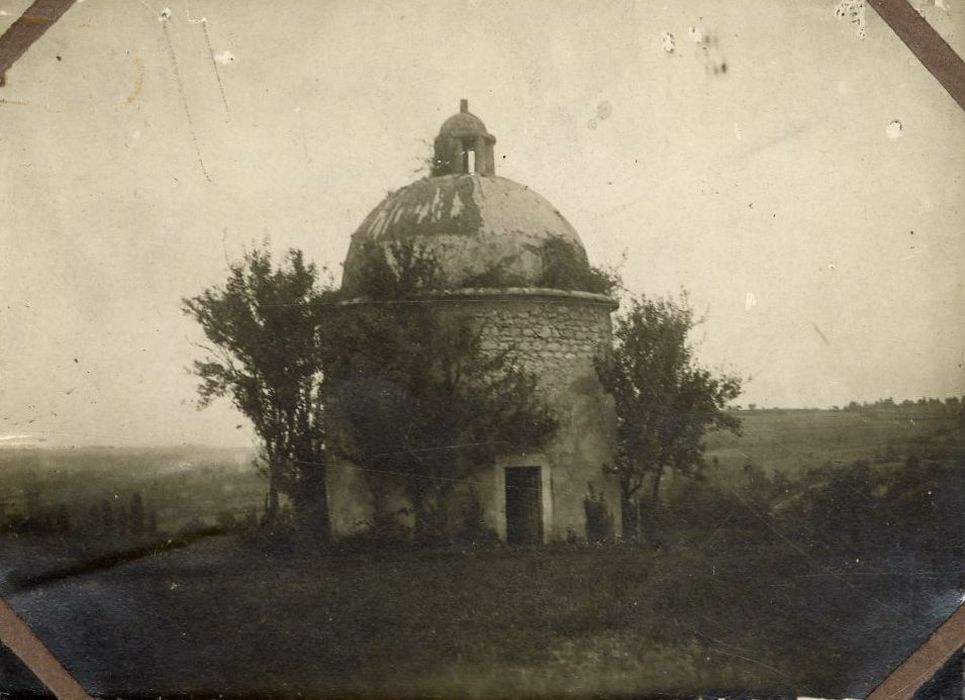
[464, 146]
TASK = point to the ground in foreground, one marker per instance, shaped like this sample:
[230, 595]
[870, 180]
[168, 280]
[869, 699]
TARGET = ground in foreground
[222, 616]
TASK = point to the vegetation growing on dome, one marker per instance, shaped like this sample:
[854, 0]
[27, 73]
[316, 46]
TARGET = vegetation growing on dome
[401, 270]
[564, 268]
[405, 268]
[494, 278]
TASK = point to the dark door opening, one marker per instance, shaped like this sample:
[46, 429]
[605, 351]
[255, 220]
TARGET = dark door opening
[524, 506]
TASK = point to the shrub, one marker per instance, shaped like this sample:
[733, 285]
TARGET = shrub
[565, 268]
[474, 528]
[401, 270]
[227, 521]
[137, 515]
[371, 535]
[599, 522]
[405, 268]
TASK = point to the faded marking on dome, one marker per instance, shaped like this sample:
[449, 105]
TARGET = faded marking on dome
[422, 211]
[456, 207]
[475, 225]
[378, 224]
[396, 215]
[476, 195]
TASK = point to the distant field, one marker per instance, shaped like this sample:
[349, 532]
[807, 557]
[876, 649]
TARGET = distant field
[178, 484]
[195, 484]
[793, 440]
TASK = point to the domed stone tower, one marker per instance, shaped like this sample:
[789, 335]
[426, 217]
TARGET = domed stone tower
[506, 255]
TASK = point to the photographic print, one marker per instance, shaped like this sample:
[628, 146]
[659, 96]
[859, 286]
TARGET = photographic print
[484, 349]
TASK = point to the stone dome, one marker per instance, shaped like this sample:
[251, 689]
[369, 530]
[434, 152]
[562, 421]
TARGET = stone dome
[484, 231]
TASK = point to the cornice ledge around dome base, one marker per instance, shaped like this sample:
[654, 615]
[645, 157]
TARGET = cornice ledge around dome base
[494, 294]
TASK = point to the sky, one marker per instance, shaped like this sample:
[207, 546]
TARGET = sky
[799, 174]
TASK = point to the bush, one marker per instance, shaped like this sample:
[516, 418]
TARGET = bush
[227, 521]
[599, 521]
[369, 536]
[564, 268]
[474, 528]
[406, 268]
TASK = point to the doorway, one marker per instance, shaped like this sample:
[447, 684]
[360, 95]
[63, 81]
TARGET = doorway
[524, 510]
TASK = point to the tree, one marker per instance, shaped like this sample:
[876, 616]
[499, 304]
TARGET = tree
[122, 520]
[137, 514]
[107, 517]
[93, 519]
[63, 519]
[421, 402]
[665, 401]
[264, 352]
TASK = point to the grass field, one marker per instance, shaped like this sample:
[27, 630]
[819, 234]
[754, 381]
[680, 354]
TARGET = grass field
[494, 622]
[793, 440]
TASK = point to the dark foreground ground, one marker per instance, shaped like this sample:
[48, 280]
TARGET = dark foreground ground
[224, 616]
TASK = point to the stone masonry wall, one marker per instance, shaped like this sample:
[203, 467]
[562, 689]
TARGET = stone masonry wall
[551, 338]
[558, 339]
[556, 336]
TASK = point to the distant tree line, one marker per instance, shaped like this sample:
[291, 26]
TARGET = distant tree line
[952, 404]
[107, 517]
[113, 517]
